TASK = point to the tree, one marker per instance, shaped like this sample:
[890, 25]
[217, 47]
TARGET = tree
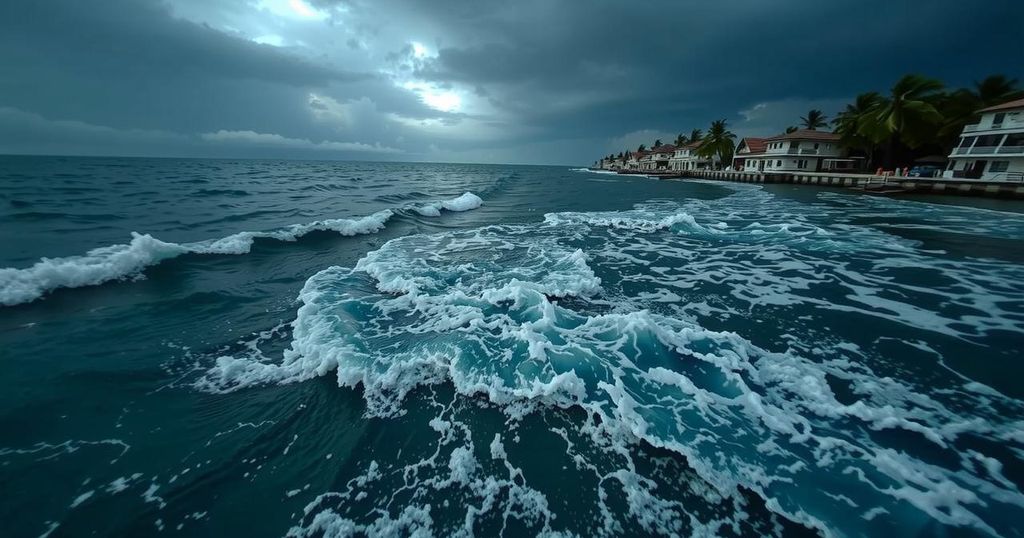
[681, 140]
[718, 142]
[696, 135]
[961, 107]
[848, 124]
[814, 119]
[656, 143]
[792, 129]
[996, 90]
[641, 148]
[908, 115]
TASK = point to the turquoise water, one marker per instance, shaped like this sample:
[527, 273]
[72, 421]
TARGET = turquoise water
[262, 348]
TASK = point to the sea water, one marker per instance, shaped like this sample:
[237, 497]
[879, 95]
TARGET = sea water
[262, 348]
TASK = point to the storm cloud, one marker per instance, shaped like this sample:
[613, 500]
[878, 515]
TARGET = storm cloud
[532, 81]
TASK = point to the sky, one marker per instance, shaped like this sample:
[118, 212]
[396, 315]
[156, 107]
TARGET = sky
[489, 81]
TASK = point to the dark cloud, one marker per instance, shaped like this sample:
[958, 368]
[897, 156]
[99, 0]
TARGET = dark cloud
[537, 80]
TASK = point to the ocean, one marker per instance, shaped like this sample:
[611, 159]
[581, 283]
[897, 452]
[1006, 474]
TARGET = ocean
[272, 348]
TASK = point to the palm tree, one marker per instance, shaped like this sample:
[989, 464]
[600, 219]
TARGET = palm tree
[792, 129]
[908, 114]
[718, 142]
[641, 148]
[996, 90]
[814, 119]
[696, 135]
[961, 107]
[681, 139]
[849, 122]
[656, 143]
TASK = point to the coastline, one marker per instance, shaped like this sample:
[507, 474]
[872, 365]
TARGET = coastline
[865, 183]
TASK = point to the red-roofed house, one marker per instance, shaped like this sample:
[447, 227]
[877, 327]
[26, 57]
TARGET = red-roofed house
[993, 148]
[635, 158]
[803, 150]
[748, 147]
[657, 158]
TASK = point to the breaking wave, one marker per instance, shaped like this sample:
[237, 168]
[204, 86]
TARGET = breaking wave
[543, 319]
[121, 261]
[462, 203]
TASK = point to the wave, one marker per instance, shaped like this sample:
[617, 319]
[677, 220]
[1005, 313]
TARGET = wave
[115, 262]
[465, 202]
[517, 316]
[589, 171]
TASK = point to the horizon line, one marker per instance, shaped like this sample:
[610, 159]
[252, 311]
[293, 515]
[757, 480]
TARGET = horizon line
[228, 158]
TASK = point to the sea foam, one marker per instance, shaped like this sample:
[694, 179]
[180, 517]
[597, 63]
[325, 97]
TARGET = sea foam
[122, 261]
[465, 202]
[524, 318]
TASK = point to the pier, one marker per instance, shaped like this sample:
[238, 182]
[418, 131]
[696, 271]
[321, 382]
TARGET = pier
[868, 183]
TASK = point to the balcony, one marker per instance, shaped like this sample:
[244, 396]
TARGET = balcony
[990, 150]
[1005, 124]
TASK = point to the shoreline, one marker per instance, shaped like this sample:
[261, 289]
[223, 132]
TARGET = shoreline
[864, 183]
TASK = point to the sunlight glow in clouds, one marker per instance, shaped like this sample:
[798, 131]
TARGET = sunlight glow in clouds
[438, 99]
[419, 51]
[294, 9]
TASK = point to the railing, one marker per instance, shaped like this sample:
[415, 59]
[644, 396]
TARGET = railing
[1006, 124]
[989, 150]
[976, 150]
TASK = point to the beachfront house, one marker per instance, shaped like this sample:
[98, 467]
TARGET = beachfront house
[993, 148]
[803, 150]
[635, 158]
[748, 148]
[657, 159]
[685, 158]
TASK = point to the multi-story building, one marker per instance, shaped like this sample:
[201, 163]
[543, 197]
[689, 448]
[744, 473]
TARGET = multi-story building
[747, 148]
[803, 150]
[685, 157]
[993, 148]
[658, 158]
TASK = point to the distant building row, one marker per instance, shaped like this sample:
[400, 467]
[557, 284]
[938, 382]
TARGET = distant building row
[800, 151]
[990, 150]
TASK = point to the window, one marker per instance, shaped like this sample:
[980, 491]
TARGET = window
[998, 118]
[815, 146]
[778, 163]
[999, 166]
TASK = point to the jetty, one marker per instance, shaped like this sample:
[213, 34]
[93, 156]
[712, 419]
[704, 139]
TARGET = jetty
[868, 183]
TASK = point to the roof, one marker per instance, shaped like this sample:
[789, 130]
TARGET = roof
[691, 145]
[1010, 105]
[664, 148]
[804, 134]
[755, 145]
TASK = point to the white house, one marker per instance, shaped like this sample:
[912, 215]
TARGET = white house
[657, 158]
[993, 148]
[747, 148]
[804, 150]
[635, 158]
[685, 158]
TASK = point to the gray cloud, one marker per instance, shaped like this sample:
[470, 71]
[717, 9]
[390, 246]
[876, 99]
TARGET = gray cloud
[530, 81]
